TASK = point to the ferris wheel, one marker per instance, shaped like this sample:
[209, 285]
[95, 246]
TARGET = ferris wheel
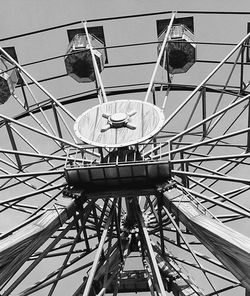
[126, 188]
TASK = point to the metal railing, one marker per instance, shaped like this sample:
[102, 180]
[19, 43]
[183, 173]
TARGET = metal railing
[89, 156]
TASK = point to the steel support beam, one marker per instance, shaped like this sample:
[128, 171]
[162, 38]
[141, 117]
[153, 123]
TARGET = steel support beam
[229, 246]
[97, 257]
[13, 144]
[19, 246]
[160, 56]
[150, 253]
[248, 124]
[204, 110]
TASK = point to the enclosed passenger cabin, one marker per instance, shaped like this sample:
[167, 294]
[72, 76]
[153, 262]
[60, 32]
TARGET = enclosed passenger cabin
[180, 49]
[79, 63]
[8, 79]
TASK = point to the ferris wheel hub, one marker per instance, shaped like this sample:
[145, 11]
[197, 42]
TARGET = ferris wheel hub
[119, 123]
[118, 118]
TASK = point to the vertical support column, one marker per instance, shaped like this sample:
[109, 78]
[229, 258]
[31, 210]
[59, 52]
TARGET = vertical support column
[248, 125]
[150, 283]
[151, 256]
[170, 151]
[154, 96]
[154, 102]
[184, 168]
[26, 105]
[242, 84]
[97, 257]
[117, 224]
[160, 204]
[57, 122]
[13, 144]
[204, 111]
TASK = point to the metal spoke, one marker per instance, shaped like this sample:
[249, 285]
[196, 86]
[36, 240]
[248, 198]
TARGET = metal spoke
[217, 177]
[188, 246]
[98, 254]
[22, 197]
[76, 239]
[243, 212]
[37, 84]
[146, 239]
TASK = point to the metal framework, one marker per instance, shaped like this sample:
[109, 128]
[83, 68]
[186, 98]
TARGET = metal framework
[172, 219]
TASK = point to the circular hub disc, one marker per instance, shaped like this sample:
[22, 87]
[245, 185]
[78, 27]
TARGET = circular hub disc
[119, 123]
